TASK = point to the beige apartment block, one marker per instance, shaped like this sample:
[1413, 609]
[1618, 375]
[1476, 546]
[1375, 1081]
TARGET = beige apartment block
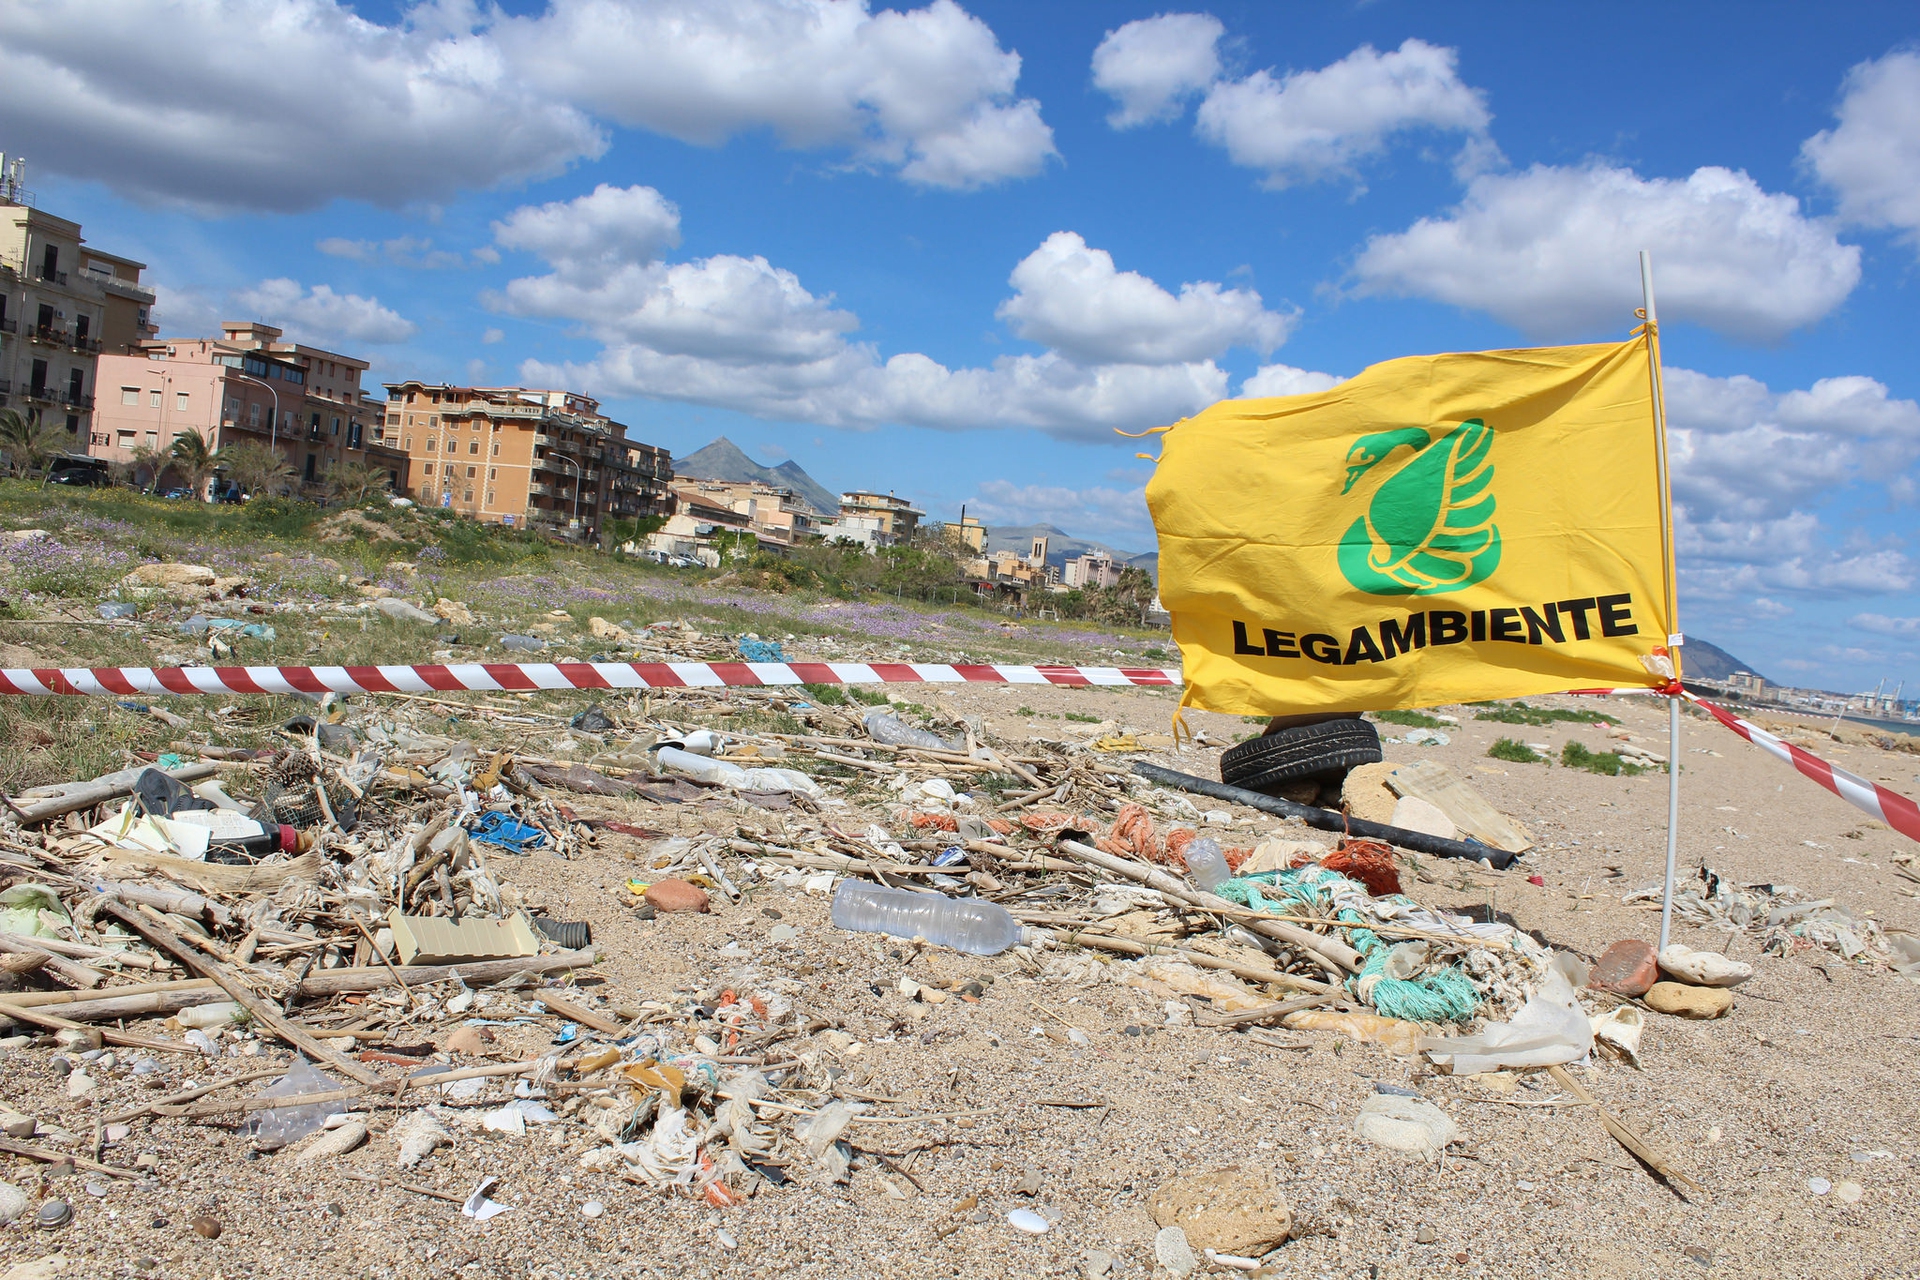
[62, 303]
[538, 459]
[777, 517]
[305, 402]
[895, 518]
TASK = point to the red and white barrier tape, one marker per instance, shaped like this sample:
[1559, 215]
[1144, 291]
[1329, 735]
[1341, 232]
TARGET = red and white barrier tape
[1898, 812]
[520, 677]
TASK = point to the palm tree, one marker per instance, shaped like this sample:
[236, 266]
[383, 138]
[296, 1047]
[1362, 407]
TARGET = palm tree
[28, 445]
[256, 467]
[154, 462]
[355, 482]
[194, 461]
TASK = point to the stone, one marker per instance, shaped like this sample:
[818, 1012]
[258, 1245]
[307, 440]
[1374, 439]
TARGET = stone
[332, 1142]
[1231, 1210]
[1171, 1250]
[171, 575]
[1415, 814]
[676, 895]
[207, 1227]
[1626, 968]
[600, 629]
[1703, 968]
[82, 1085]
[15, 1125]
[1683, 1001]
[394, 607]
[1412, 1125]
[1365, 793]
[454, 611]
[464, 1040]
[13, 1203]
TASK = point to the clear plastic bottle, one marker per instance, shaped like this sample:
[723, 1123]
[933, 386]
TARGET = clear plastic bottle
[890, 730]
[965, 924]
[1207, 864]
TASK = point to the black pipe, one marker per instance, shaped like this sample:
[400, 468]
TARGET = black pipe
[1328, 819]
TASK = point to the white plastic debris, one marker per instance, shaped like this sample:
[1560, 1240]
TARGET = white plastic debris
[1412, 1125]
[1549, 1030]
[479, 1207]
[1621, 1028]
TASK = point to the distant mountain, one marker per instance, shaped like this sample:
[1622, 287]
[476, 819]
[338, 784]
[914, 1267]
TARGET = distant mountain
[724, 460]
[1702, 661]
[1061, 546]
[1151, 563]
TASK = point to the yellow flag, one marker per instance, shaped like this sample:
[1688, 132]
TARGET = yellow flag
[1440, 529]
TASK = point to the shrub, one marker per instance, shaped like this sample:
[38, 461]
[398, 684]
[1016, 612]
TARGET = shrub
[1521, 713]
[1576, 756]
[1411, 719]
[1516, 751]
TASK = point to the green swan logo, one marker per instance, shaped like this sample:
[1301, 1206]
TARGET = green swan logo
[1428, 527]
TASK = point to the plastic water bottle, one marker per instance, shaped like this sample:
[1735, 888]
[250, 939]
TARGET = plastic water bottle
[965, 924]
[1207, 864]
[890, 730]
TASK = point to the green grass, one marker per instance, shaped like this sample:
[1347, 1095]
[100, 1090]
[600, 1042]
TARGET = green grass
[1411, 719]
[1029, 712]
[1576, 756]
[1521, 713]
[1516, 751]
[1077, 718]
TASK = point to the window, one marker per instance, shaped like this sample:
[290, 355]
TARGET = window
[470, 471]
[336, 426]
[433, 446]
[253, 414]
[129, 395]
[469, 497]
[496, 449]
[393, 419]
[493, 473]
[489, 497]
[474, 447]
[313, 461]
[153, 399]
[453, 446]
[433, 419]
[153, 439]
[407, 444]
[127, 438]
[179, 402]
[426, 468]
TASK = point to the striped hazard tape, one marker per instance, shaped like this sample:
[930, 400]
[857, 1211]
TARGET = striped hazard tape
[519, 677]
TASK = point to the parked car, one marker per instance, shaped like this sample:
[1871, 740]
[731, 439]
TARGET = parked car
[178, 495]
[81, 477]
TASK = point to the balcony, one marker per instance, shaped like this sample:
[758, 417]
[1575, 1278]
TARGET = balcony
[42, 393]
[51, 277]
[86, 346]
[77, 400]
[9, 326]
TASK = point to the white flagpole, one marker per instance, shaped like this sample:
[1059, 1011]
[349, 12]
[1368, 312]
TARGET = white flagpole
[1674, 639]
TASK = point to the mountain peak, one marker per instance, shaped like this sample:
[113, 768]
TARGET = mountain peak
[722, 459]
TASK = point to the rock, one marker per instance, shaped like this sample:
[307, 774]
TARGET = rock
[170, 575]
[464, 1040]
[13, 1203]
[417, 1137]
[1171, 1250]
[206, 1227]
[394, 607]
[1851, 1192]
[332, 1142]
[600, 629]
[146, 1162]
[1416, 814]
[1232, 1210]
[1703, 968]
[1425, 1235]
[15, 1125]
[1626, 968]
[1412, 1125]
[676, 895]
[1097, 1265]
[82, 1085]
[454, 611]
[1365, 793]
[1683, 1001]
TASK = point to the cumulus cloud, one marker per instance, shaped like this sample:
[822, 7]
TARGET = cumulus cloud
[1152, 66]
[742, 333]
[1871, 159]
[287, 104]
[1308, 126]
[1286, 380]
[1554, 251]
[321, 317]
[278, 105]
[929, 91]
[604, 228]
[1881, 624]
[1071, 298]
[1100, 513]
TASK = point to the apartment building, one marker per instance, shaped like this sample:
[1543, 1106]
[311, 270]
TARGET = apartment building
[1094, 569]
[539, 459]
[777, 517]
[898, 521]
[62, 302]
[305, 402]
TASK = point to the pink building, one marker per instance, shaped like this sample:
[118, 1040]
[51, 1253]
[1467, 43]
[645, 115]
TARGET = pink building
[245, 385]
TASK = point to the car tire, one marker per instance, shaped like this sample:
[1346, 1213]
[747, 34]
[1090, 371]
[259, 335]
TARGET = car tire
[1325, 750]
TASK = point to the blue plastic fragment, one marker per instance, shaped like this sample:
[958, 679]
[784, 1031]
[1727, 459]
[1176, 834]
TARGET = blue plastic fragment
[506, 833]
[761, 650]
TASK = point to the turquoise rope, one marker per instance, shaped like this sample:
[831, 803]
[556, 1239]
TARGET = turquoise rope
[1444, 995]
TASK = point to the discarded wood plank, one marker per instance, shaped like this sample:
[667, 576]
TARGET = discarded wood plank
[346, 981]
[218, 877]
[264, 1015]
[69, 970]
[1626, 1137]
[581, 1014]
[1467, 808]
[39, 999]
[40, 1018]
[188, 1095]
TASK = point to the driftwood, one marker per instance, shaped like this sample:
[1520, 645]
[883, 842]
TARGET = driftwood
[41, 1018]
[77, 974]
[1626, 1137]
[1266, 1013]
[85, 795]
[1131, 947]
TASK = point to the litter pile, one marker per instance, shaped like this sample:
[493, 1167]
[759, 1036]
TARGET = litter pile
[1788, 920]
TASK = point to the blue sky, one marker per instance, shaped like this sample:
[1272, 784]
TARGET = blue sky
[948, 250]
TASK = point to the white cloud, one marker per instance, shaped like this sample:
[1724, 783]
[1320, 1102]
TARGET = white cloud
[1308, 126]
[1071, 298]
[286, 105]
[1766, 608]
[1881, 624]
[492, 336]
[185, 312]
[1150, 67]
[928, 91]
[322, 317]
[741, 333]
[1872, 158]
[1554, 251]
[1743, 452]
[1286, 380]
[277, 105]
[1115, 516]
[403, 251]
[608, 226]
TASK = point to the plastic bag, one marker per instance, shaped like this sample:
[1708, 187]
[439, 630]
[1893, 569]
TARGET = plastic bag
[1550, 1029]
[280, 1126]
[20, 909]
